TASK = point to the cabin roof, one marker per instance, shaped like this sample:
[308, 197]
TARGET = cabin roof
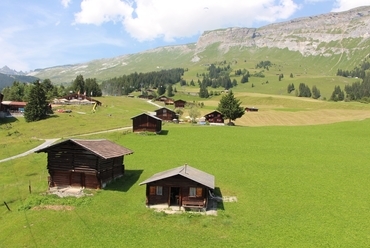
[103, 148]
[12, 103]
[185, 171]
[155, 117]
[164, 108]
[218, 112]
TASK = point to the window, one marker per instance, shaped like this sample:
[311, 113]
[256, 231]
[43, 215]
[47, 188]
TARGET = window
[195, 192]
[192, 191]
[155, 190]
[159, 190]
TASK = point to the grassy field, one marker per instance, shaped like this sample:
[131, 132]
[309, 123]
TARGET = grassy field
[302, 186]
[298, 184]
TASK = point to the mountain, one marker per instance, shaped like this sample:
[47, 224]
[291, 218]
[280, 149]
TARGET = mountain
[7, 80]
[322, 43]
[6, 70]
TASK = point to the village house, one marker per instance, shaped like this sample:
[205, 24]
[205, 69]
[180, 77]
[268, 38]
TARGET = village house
[146, 123]
[166, 114]
[179, 103]
[214, 117]
[184, 186]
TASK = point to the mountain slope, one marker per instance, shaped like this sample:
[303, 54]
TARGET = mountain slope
[7, 80]
[324, 43]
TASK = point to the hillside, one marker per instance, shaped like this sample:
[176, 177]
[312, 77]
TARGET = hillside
[322, 43]
[7, 80]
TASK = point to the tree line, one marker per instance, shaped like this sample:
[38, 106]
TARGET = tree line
[126, 84]
[359, 71]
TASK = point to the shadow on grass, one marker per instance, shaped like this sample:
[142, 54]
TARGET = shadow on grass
[163, 132]
[126, 182]
[7, 121]
[220, 204]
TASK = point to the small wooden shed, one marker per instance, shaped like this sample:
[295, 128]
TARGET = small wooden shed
[179, 103]
[251, 109]
[85, 163]
[214, 117]
[184, 186]
[146, 123]
[166, 114]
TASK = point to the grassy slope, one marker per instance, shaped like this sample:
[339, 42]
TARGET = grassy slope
[299, 186]
[296, 187]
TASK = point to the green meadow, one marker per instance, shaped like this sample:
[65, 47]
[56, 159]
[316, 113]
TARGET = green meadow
[296, 186]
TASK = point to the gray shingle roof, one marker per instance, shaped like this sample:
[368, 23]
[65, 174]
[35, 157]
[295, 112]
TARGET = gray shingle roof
[185, 171]
[102, 147]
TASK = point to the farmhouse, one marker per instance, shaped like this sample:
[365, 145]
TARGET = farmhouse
[8, 108]
[85, 163]
[166, 114]
[183, 186]
[179, 103]
[146, 123]
[215, 117]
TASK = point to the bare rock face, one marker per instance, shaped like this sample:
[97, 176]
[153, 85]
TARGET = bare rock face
[309, 35]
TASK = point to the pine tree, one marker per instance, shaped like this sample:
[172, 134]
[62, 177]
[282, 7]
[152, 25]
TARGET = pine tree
[37, 107]
[230, 107]
[170, 91]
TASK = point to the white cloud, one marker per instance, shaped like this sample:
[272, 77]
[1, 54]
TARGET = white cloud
[65, 3]
[98, 11]
[343, 5]
[151, 19]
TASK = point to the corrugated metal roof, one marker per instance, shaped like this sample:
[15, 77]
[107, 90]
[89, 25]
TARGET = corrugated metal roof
[185, 171]
[102, 147]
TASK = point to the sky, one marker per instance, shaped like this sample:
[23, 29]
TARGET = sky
[45, 33]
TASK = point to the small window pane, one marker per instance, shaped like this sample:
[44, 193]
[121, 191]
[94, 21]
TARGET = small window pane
[159, 190]
[192, 191]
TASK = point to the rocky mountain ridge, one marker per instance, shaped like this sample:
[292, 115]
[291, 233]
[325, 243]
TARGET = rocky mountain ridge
[305, 35]
[327, 35]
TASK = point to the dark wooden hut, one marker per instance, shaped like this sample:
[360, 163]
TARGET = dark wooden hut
[251, 109]
[146, 123]
[166, 114]
[183, 186]
[179, 103]
[166, 100]
[214, 117]
[85, 163]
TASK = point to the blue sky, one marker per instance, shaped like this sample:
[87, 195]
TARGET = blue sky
[46, 33]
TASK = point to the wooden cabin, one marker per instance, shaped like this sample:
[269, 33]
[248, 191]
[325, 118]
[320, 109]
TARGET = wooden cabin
[166, 114]
[146, 123]
[214, 117]
[251, 109]
[183, 186]
[179, 103]
[85, 163]
[166, 100]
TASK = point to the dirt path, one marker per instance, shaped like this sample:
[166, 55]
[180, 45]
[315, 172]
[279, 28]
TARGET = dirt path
[47, 142]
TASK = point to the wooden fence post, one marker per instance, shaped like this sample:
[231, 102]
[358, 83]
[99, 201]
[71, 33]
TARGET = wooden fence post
[6, 205]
